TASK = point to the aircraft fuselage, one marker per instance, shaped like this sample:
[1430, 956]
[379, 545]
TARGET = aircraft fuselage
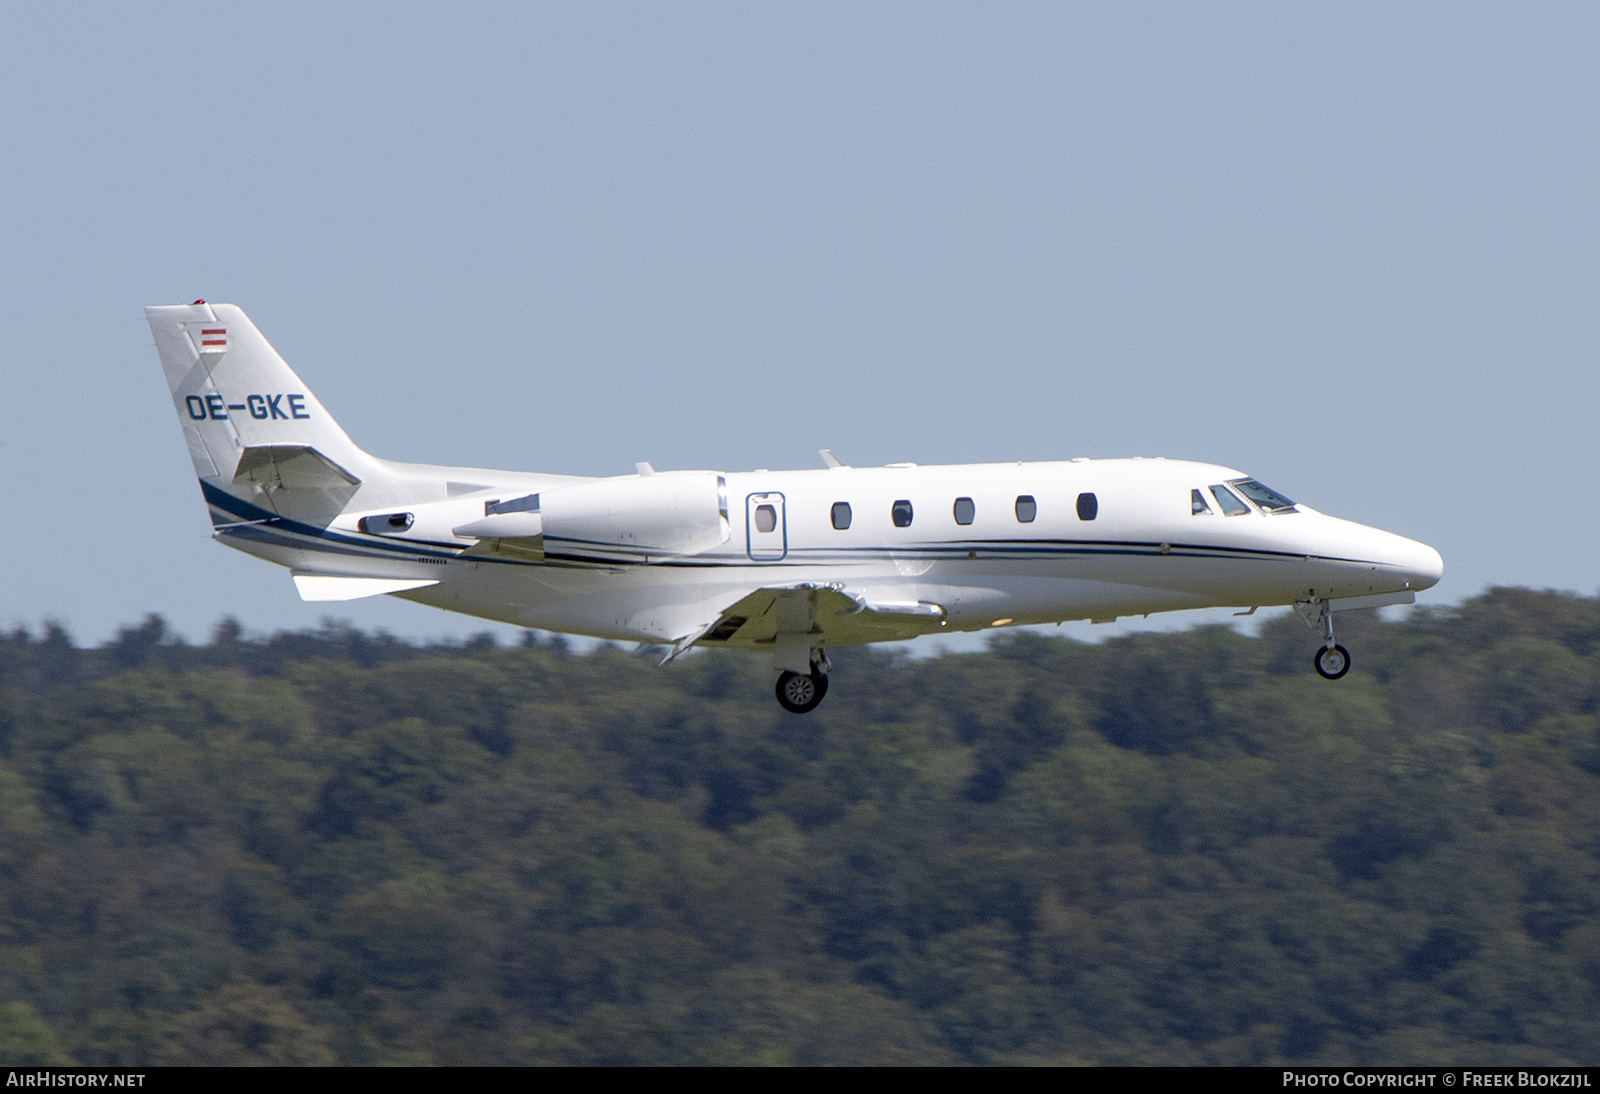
[1144, 550]
[794, 562]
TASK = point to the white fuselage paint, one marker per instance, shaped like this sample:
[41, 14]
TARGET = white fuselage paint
[676, 557]
[1143, 552]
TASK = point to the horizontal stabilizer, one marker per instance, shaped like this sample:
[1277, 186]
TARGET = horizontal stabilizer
[319, 587]
[290, 467]
[296, 481]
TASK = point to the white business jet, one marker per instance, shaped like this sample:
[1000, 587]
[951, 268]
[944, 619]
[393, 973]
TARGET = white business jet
[789, 562]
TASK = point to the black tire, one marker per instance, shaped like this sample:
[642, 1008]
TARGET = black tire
[800, 694]
[1332, 662]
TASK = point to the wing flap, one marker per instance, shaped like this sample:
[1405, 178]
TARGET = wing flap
[832, 616]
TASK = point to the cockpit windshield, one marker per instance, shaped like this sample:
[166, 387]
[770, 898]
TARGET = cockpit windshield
[1231, 505]
[1264, 496]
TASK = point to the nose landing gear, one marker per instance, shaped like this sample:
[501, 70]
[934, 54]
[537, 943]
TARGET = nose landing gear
[1332, 660]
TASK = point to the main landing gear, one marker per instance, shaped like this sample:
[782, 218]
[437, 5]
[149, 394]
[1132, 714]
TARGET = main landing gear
[800, 693]
[1332, 660]
[801, 663]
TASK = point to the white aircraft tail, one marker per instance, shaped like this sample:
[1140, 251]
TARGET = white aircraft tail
[255, 432]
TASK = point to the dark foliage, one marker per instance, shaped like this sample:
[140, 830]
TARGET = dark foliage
[333, 846]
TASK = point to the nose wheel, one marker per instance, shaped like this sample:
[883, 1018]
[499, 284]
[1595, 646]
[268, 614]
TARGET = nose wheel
[1332, 662]
[798, 693]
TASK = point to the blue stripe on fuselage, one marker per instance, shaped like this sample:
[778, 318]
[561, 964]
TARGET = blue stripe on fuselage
[236, 506]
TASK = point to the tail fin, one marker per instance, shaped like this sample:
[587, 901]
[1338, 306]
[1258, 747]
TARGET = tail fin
[247, 417]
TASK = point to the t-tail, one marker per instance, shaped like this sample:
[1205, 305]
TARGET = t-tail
[262, 444]
[284, 482]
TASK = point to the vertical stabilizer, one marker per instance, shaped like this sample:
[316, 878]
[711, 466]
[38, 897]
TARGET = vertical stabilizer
[233, 392]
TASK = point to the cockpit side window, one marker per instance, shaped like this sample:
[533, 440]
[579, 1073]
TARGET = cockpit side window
[1197, 503]
[1264, 496]
[1231, 506]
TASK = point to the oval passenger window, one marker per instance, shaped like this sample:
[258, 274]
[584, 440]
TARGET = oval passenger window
[766, 518]
[965, 510]
[1088, 507]
[1027, 509]
[841, 515]
[901, 512]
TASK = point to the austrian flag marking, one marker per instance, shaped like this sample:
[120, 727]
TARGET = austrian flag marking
[210, 342]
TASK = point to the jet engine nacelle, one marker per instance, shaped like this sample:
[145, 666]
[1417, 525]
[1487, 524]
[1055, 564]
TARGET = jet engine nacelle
[665, 513]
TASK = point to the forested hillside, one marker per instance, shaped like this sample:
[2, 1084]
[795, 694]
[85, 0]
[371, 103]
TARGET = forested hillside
[1182, 848]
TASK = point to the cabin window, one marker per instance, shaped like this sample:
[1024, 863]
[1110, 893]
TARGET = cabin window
[1088, 506]
[1197, 503]
[901, 513]
[841, 515]
[1027, 509]
[965, 511]
[1231, 506]
[1264, 496]
[766, 518]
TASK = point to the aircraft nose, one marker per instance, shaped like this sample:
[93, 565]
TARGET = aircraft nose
[1421, 564]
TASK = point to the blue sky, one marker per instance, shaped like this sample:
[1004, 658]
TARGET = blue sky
[1351, 249]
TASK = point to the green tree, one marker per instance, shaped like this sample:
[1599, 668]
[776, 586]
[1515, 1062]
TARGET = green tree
[27, 1039]
[245, 1025]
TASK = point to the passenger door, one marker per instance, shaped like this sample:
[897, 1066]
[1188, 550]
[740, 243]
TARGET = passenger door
[766, 531]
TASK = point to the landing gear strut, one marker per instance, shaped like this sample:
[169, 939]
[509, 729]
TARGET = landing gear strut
[1332, 660]
[800, 694]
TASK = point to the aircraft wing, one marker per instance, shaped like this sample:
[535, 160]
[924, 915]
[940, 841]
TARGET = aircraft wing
[831, 615]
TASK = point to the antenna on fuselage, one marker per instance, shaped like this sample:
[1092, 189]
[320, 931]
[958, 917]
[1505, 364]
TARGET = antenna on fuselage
[830, 459]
